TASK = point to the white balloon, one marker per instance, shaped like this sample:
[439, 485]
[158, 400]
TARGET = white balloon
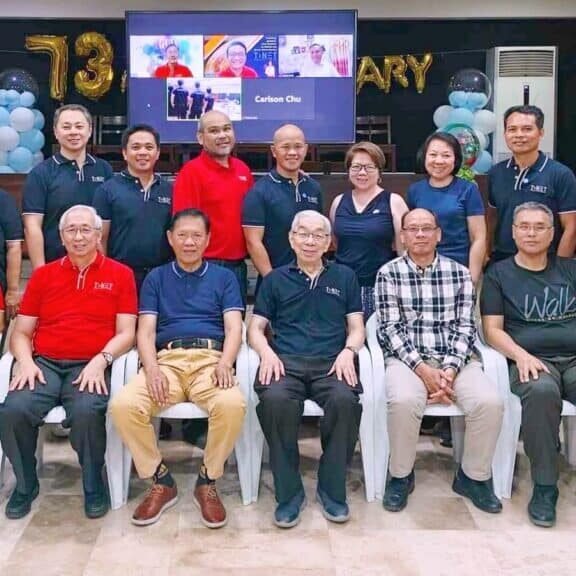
[22, 119]
[37, 158]
[441, 115]
[8, 138]
[482, 138]
[484, 121]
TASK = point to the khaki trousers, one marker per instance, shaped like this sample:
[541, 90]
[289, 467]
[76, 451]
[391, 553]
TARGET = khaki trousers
[189, 373]
[476, 396]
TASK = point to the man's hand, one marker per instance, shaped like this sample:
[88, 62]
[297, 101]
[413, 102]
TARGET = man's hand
[26, 374]
[12, 301]
[157, 385]
[344, 367]
[433, 378]
[223, 375]
[92, 376]
[270, 366]
[529, 365]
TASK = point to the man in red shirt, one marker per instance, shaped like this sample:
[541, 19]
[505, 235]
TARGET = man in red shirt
[236, 56]
[172, 69]
[78, 313]
[215, 182]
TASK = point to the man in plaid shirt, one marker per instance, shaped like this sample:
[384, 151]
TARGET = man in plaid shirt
[425, 311]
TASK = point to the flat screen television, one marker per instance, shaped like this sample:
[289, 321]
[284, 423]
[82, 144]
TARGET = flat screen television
[262, 69]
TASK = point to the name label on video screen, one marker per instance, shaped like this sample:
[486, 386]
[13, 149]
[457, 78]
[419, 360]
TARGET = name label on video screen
[281, 99]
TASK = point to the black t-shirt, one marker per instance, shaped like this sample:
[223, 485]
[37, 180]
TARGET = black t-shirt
[10, 230]
[539, 308]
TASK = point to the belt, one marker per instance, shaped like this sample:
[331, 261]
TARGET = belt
[187, 343]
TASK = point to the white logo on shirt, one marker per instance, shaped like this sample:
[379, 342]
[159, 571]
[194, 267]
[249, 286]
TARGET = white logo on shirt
[538, 188]
[164, 200]
[103, 285]
[98, 178]
[334, 291]
[243, 178]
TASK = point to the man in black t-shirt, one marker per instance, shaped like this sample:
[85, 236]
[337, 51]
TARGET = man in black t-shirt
[528, 306]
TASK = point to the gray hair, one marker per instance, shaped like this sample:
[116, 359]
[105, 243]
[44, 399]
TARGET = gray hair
[97, 220]
[534, 206]
[311, 213]
[73, 108]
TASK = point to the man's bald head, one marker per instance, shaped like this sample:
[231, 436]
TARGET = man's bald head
[289, 148]
[211, 117]
[287, 132]
[216, 134]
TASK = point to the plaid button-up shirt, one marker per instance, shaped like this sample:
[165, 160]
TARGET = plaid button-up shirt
[426, 313]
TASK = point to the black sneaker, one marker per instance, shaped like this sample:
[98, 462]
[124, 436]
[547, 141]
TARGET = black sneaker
[542, 506]
[397, 491]
[480, 492]
[287, 515]
[332, 509]
[96, 504]
[20, 504]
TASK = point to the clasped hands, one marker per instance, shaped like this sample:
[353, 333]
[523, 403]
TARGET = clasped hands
[439, 383]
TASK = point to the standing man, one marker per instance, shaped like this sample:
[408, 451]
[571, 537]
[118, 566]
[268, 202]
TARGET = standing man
[425, 315]
[77, 314]
[69, 177]
[135, 206]
[271, 204]
[315, 312]
[209, 99]
[179, 100]
[197, 102]
[528, 305]
[529, 176]
[216, 183]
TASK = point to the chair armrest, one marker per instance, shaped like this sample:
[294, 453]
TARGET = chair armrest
[365, 376]
[496, 367]
[5, 372]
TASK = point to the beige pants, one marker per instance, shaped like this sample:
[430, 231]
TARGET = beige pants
[189, 374]
[476, 396]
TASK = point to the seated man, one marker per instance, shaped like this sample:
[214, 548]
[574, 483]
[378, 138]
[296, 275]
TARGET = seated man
[315, 313]
[189, 334]
[528, 306]
[425, 312]
[78, 313]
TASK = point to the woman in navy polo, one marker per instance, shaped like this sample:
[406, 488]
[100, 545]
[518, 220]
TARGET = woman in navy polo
[456, 202]
[366, 220]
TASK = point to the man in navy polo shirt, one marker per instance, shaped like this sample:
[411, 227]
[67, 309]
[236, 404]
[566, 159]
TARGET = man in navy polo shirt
[272, 203]
[69, 177]
[315, 312]
[529, 176]
[189, 334]
[135, 206]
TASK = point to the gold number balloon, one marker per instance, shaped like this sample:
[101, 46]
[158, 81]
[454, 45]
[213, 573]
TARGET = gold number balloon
[420, 69]
[57, 48]
[96, 79]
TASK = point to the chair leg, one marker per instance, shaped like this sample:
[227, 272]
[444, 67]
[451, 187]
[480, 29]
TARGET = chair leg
[40, 448]
[367, 448]
[243, 460]
[114, 465]
[257, 442]
[569, 423]
[457, 426]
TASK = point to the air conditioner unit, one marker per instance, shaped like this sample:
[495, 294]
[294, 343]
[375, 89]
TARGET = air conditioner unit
[523, 75]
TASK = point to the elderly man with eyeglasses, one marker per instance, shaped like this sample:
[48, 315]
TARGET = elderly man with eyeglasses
[315, 312]
[425, 313]
[528, 306]
[78, 313]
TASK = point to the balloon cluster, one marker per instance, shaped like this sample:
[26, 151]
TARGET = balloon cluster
[469, 91]
[21, 137]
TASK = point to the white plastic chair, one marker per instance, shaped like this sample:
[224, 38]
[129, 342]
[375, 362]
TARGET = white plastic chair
[188, 410]
[496, 369]
[312, 409]
[57, 415]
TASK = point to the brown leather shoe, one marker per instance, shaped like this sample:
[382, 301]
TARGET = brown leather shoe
[212, 511]
[158, 499]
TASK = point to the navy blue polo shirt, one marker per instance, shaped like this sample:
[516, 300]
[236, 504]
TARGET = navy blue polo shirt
[308, 317]
[138, 219]
[10, 230]
[56, 185]
[546, 181]
[189, 304]
[272, 203]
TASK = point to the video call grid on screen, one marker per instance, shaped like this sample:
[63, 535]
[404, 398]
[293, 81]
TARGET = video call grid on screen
[262, 69]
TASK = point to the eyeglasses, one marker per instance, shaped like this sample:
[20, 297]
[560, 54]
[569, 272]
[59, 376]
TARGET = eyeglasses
[368, 168]
[426, 230]
[536, 228]
[316, 238]
[84, 231]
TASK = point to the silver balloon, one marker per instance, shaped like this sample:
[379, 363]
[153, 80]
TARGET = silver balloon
[19, 80]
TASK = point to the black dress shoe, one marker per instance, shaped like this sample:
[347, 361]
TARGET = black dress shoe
[96, 504]
[20, 504]
[397, 491]
[287, 515]
[480, 492]
[542, 506]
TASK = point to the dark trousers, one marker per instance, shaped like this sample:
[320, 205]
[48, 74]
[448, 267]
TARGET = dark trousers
[541, 408]
[139, 275]
[240, 271]
[280, 412]
[23, 413]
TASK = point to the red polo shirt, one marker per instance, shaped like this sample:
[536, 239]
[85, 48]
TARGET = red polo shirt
[219, 192]
[76, 311]
[176, 71]
[247, 72]
[2, 305]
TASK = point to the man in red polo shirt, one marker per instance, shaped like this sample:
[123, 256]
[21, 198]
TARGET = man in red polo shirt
[216, 182]
[77, 314]
[172, 68]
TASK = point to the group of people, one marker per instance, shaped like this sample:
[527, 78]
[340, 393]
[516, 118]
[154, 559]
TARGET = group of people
[107, 249]
[190, 104]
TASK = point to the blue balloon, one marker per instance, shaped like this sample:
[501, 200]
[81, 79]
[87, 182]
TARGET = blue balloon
[32, 139]
[6, 170]
[461, 116]
[483, 163]
[3, 100]
[27, 99]
[12, 96]
[39, 120]
[13, 105]
[457, 98]
[20, 159]
[4, 116]
[476, 101]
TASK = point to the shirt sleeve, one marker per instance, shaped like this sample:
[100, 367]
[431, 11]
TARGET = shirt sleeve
[34, 193]
[567, 192]
[127, 297]
[411, 198]
[101, 202]
[491, 296]
[253, 210]
[149, 301]
[353, 296]
[231, 296]
[474, 205]
[187, 190]
[108, 170]
[391, 331]
[490, 186]
[10, 219]
[265, 304]
[32, 298]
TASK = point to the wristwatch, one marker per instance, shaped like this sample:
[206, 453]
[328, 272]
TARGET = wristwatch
[353, 349]
[108, 357]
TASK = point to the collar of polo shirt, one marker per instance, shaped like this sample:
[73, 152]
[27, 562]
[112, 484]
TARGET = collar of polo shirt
[538, 166]
[60, 159]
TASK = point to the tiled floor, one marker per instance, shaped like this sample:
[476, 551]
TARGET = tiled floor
[439, 533]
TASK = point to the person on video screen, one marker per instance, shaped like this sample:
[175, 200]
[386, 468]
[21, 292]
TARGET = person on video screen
[197, 105]
[209, 100]
[172, 69]
[317, 64]
[236, 56]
